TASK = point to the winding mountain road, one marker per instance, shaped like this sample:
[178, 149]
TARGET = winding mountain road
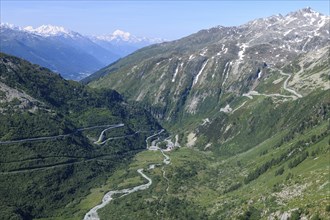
[62, 135]
[161, 131]
[295, 95]
[92, 214]
[115, 138]
[101, 137]
[285, 84]
[72, 160]
[255, 93]
[34, 139]
[167, 159]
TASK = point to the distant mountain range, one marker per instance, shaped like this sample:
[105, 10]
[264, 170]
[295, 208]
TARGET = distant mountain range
[69, 53]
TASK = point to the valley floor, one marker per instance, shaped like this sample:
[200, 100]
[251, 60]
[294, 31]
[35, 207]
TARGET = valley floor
[93, 215]
[200, 185]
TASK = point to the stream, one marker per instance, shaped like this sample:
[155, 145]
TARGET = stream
[92, 214]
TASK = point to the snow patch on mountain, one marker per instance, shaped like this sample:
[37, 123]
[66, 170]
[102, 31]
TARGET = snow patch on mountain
[117, 35]
[225, 73]
[43, 30]
[123, 36]
[203, 52]
[176, 71]
[226, 109]
[51, 31]
[242, 51]
[224, 50]
[200, 72]
[9, 26]
[54, 31]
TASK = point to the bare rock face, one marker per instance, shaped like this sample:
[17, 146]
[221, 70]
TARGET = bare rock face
[196, 74]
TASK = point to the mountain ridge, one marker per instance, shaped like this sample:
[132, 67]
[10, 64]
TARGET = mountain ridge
[53, 30]
[211, 63]
[67, 52]
[193, 79]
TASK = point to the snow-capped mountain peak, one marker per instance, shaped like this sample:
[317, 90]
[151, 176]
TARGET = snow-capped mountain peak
[304, 19]
[10, 26]
[50, 30]
[29, 28]
[305, 13]
[308, 10]
[118, 35]
[121, 34]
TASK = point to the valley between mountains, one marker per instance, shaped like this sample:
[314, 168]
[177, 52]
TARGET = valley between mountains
[227, 123]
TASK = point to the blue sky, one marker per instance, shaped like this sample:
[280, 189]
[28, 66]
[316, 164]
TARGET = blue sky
[165, 19]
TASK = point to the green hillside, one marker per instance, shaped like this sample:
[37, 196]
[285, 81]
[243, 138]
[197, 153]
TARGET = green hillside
[48, 177]
[284, 171]
[204, 187]
[264, 156]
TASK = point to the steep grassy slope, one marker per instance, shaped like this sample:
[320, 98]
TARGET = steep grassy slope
[286, 174]
[48, 177]
[260, 119]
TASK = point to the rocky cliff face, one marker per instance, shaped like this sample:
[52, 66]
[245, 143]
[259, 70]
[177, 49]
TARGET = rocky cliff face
[200, 73]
